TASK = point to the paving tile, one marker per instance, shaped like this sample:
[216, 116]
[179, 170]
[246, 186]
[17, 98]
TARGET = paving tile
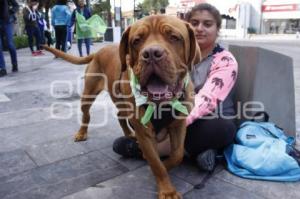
[42, 131]
[59, 110]
[25, 135]
[33, 80]
[97, 193]
[65, 148]
[4, 98]
[139, 183]
[188, 172]
[25, 116]
[129, 163]
[264, 188]
[13, 162]
[62, 178]
[51, 152]
[217, 189]
[27, 99]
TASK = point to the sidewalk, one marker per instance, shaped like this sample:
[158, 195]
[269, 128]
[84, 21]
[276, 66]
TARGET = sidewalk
[293, 38]
[39, 110]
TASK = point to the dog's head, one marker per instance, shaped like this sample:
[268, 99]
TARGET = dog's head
[160, 50]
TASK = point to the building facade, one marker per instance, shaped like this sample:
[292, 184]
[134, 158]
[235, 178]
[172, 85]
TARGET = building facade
[241, 17]
[280, 16]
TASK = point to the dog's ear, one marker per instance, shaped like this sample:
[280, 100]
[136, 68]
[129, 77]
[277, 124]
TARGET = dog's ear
[124, 48]
[195, 53]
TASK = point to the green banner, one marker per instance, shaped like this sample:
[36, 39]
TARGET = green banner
[90, 28]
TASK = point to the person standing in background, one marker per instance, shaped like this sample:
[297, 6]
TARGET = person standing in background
[86, 13]
[72, 7]
[45, 28]
[47, 33]
[41, 25]
[8, 9]
[31, 18]
[60, 21]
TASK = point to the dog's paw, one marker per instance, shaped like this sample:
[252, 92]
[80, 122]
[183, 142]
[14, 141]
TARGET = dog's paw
[80, 137]
[172, 195]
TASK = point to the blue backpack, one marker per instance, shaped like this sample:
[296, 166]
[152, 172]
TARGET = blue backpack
[262, 151]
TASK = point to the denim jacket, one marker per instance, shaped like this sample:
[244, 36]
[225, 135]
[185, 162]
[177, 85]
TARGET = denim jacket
[60, 15]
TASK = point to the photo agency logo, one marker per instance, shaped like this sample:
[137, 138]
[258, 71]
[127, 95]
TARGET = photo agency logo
[63, 108]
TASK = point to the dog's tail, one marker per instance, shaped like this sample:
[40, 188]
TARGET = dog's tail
[70, 58]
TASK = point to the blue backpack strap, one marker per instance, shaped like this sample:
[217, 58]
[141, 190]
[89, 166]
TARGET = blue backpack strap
[261, 113]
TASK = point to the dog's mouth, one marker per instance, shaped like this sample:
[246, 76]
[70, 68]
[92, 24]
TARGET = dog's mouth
[157, 90]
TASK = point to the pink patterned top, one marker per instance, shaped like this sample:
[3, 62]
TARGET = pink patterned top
[217, 84]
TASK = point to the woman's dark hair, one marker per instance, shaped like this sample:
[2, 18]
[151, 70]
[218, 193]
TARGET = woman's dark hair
[61, 2]
[30, 1]
[209, 8]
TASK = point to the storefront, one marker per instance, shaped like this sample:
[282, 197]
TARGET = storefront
[280, 17]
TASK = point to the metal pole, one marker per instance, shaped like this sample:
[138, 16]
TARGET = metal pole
[120, 21]
[114, 13]
[109, 15]
[133, 10]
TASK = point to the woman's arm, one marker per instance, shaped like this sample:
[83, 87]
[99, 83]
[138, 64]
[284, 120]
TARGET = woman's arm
[26, 16]
[53, 16]
[220, 81]
[89, 14]
[73, 18]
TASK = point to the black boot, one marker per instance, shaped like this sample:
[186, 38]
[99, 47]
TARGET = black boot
[3, 72]
[206, 160]
[127, 147]
[15, 68]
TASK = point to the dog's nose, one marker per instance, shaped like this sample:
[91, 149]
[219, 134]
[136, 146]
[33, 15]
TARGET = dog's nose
[153, 53]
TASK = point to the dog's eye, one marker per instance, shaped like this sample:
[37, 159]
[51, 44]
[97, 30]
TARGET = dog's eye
[174, 38]
[136, 41]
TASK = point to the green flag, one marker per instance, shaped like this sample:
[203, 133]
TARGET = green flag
[91, 28]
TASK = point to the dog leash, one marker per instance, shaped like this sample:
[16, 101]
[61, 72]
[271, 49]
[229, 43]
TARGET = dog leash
[141, 99]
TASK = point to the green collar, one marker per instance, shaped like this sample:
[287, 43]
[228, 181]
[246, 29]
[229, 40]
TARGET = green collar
[141, 99]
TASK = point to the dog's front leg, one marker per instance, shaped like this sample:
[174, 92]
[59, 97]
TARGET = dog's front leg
[93, 86]
[165, 187]
[147, 144]
[177, 133]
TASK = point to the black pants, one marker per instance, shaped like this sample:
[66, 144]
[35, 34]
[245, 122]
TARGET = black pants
[61, 37]
[206, 134]
[48, 37]
[33, 32]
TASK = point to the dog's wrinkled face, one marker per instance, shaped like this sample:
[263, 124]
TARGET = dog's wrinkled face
[160, 49]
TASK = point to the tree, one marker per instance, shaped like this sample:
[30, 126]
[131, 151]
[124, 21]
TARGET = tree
[103, 8]
[154, 5]
[140, 12]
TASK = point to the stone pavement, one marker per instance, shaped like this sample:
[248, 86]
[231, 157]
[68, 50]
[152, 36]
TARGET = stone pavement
[39, 114]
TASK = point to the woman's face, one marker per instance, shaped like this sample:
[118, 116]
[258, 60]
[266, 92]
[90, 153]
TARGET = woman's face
[33, 3]
[205, 27]
[81, 3]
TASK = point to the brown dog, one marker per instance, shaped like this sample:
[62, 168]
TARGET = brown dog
[159, 50]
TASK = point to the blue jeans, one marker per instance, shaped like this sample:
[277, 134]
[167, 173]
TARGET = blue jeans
[69, 35]
[7, 30]
[87, 44]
